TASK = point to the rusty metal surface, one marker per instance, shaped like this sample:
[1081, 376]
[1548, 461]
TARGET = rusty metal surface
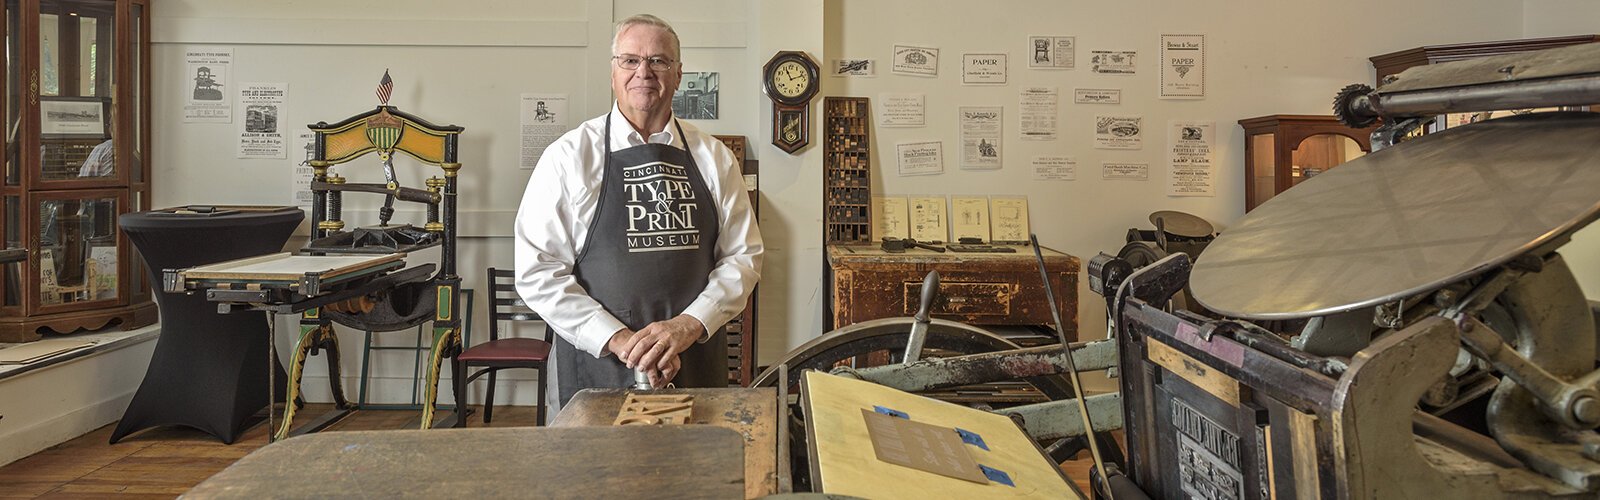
[1573, 60]
[1408, 219]
[975, 288]
[939, 373]
[751, 412]
[1061, 419]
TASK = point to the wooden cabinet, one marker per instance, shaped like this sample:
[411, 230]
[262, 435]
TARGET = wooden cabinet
[974, 288]
[742, 328]
[77, 156]
[1282, 150]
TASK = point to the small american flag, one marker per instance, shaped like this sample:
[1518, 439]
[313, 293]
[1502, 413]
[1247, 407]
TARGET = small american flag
[385, 86]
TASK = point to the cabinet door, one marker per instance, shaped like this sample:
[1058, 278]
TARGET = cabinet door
[76, 249]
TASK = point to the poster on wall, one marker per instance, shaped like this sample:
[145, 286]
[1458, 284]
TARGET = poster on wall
[1097, 96]
[1183, 66]
[1052, 52]
[854, 67]
[261, 133]
[1010, 219]
[1038, 113]
[696, 97]
[914, 60]
[1190, 150]
[205, 88]
[1123, 171]
[305, 144]
[891, 217]
[544, 119]
[901, 110]
[1118, 132]
[980, 137]
[969, 217]
[920, 158]
[928, 220]
[1113, 62]
[983, 69]
[1055, 168]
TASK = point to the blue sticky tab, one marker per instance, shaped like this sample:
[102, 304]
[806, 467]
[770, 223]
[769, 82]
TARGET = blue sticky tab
[891, 412]
[997, 475]
[972, 438]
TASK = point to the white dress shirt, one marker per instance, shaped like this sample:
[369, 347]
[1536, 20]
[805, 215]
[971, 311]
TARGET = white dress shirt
[560, 203]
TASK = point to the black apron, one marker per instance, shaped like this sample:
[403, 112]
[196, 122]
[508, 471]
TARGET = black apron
[649, 253]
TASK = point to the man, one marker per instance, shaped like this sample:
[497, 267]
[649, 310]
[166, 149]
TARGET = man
[635, 240]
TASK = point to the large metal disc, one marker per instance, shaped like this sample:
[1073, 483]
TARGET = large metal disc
[1408, 219]
[1182, 224]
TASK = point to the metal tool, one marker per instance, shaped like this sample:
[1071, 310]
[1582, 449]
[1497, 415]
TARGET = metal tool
[641, 381]
[1072, 369]
[919, 329]
[897, 245]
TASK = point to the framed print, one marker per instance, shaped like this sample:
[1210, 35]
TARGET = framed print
[74, 117]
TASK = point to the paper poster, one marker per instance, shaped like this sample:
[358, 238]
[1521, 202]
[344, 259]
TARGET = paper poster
[1097, 96]
[980, 137]
[261, 133]
[854, 67]
[920, 158]
[918, 61]
[928, 221]
[969, 217]
[901, 110]
[1125, 171]
[1052, 52]
[983, 69]
[1118, 132]
[1008, 216]
[696, 97]
[891, 217]
[544, 119]
[1055, 168]
[205, 81]
[1191, 147]
[1113, 62]
[1183, 66]
[1038, 113]
[305, 144]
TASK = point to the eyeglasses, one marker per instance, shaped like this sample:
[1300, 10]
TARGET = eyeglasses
[631, 62]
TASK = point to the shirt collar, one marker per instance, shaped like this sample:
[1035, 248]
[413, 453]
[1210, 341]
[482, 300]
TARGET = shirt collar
[624, 136]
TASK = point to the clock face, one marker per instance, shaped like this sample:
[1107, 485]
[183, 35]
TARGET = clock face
[790, 79]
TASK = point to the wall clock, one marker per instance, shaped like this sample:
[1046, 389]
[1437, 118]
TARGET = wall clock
[791, 79]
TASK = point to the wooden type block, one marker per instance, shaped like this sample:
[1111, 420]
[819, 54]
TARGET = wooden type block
[655, 409]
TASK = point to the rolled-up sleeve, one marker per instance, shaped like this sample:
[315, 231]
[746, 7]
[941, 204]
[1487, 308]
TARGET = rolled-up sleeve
[546, 251]
[739, 247]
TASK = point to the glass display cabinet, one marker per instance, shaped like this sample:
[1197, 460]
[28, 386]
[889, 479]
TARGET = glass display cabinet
[1283, 150]
[77, 149]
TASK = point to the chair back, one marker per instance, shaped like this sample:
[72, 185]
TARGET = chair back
[506, 304]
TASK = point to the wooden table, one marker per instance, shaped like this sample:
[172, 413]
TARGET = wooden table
[688, 461]
[974, 288]
[752, 412]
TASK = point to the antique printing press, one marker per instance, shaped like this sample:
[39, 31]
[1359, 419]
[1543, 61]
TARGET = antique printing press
[1432, 299]
[357, 278]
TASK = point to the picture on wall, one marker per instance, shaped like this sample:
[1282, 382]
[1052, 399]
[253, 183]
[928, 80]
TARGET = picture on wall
[696, 98]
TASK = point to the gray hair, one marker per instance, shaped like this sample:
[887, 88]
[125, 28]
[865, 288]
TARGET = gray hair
[647, 20]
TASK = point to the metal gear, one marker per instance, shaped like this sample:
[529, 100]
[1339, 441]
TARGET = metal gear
[1342, 106]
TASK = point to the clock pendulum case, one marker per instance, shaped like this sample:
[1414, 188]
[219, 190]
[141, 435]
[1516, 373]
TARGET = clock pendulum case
[791, 79]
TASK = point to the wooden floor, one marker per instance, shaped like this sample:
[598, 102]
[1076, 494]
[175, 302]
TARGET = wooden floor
[165, 462]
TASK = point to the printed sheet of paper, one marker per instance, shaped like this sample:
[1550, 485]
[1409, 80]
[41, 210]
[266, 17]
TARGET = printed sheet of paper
[300, 180]
[1113, 62]
[969, 217]
[544, 119]
[206, 85]
[1038, 113]
[1118, 132]
[980, 137]
[854, 67]
[1183, 66]
[928, 219]
[1055, 168]
[1191, 147]
[1008, 216]
[1116, 171]
[901, 110]
[983, 69]
[1052, 52]
[261, 132]
[891, 217]
[925, 447]
[920, 158]
[914, 60]
[1097, 96]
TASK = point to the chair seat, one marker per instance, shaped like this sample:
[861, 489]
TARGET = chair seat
[510, 349]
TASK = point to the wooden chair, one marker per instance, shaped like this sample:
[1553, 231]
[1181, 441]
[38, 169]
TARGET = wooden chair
[500, 353]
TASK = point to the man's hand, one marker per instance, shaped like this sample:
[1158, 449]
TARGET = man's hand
[659, 378]
[657, 345]
[619, 343]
